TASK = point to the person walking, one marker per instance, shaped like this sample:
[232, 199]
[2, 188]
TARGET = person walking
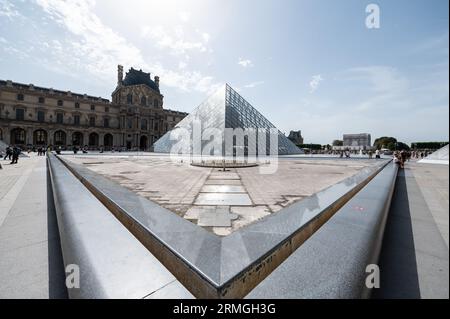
[15, 155]
[8, 153]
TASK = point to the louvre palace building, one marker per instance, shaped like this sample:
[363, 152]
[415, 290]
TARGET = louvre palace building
[32, 116]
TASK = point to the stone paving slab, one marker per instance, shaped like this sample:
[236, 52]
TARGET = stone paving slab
[223, 199]
[223, 182]
[223, 189]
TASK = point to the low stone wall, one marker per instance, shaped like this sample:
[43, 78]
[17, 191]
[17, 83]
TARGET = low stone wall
[112, 263]
[332, 263]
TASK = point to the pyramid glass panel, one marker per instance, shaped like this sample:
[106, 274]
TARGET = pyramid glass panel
[226, 109]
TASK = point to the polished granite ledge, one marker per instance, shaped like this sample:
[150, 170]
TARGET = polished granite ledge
[222, 267]
[332, 263]
[112, 262]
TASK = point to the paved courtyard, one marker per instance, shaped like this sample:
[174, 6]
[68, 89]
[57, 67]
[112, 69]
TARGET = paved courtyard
[414, 261]
[221, 201]
[31, 263]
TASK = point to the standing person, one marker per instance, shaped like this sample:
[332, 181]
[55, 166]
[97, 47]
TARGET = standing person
[8, 153]
[377, 153]
[403, 158]
[15, 155]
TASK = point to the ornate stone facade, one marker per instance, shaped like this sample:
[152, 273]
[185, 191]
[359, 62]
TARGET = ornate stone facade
[33, 116]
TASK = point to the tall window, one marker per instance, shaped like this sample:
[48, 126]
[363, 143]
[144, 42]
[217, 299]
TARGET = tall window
[18, 136]
[156, 126]
[155, 103]
[40, 116]
[106, 109]
[106, 122]
[129, 99]
[60, 137]
[129, 123]
[60, 103]
[41, 100]
[143, 101]
[41, 136]
[92, 121]
[20, 97]
[77, 105]
[20, 114]
[76, 119]
[59, 118]
[144, 124]
[92, 107]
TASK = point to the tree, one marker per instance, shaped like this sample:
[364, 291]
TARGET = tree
[428, 145]
[402, 146]
[385, 142]
[390, 143]
[338, 143]
[311, 146]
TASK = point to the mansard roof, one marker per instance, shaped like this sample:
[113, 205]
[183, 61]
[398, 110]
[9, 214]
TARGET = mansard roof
[136, 77]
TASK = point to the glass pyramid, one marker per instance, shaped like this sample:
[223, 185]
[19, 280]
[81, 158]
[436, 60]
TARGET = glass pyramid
[226, 109]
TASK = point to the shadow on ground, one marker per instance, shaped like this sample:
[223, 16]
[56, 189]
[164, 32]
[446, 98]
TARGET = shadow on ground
[398, 265]
[56, 274]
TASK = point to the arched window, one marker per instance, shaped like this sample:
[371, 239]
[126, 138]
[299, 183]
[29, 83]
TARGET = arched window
[40, 137]
[129, 99]
[143, 101]
[60, 138]
[18, 136]
[93, 139]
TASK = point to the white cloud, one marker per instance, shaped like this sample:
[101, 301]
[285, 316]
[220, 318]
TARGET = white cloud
[377, 99]
[8, 9]
[92, 46]
[184, 16]
[315, 82]
[253, 84]
[175, 40]
[382, 79]
[205, 37]
[245, 62]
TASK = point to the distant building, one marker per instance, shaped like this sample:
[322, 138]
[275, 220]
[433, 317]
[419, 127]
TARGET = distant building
[296, 137]
[361, 141]
[32, 116]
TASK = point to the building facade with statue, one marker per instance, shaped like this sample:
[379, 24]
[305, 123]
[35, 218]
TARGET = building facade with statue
[33, 116]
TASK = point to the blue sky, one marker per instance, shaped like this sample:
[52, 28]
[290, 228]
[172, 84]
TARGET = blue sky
[311, 65]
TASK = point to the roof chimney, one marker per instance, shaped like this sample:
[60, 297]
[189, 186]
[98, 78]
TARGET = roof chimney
[119, 75]
[157, 80]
